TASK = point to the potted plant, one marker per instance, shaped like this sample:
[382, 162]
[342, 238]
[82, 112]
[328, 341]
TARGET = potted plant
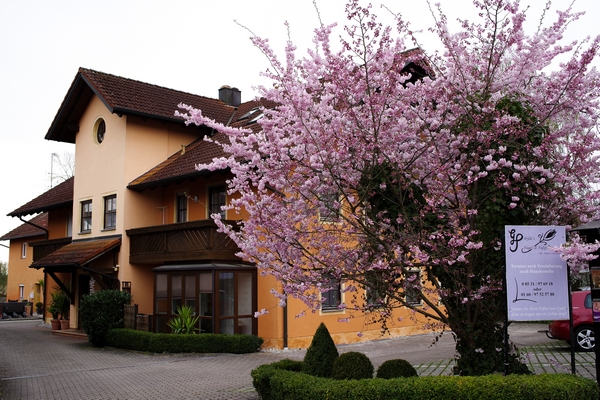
[54, 308]
[39, 308]
[65, 311]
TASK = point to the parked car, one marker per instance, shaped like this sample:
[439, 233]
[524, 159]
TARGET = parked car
[583, 323]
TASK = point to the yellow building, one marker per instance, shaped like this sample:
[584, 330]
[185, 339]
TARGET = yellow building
[138, 216]
[23, 282]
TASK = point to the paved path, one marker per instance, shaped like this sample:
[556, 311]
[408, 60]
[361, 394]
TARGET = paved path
[34, 364]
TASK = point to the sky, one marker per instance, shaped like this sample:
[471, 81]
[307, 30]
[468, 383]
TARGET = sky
[192, 45]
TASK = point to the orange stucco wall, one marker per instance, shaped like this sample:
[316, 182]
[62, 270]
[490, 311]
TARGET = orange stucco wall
[59, 222]
[302, 322]
[131, 147]
[19, 272]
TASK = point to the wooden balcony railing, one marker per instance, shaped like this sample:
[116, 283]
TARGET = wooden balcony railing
[44, 247]
[185, 241]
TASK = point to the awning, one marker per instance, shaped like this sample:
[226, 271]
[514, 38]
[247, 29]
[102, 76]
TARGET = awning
[592, 225]
[77, 254]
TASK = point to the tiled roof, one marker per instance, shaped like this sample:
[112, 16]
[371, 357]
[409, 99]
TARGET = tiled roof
[27, 230]
[77, 254]
[181, 165]
[59, 196]
[124, 96]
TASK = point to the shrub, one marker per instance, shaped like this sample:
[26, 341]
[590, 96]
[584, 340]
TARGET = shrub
[397, 368]
[130, 339]
[321, 354]
[289, 385]
[352, 365]
[102, 311]
[185, 321]
[261, 376]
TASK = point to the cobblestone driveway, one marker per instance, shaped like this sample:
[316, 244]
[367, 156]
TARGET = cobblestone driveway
[34, 364]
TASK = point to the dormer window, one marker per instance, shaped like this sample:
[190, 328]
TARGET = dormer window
[100, 130]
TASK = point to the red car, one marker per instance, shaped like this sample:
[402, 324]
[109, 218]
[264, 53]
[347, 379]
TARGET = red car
[583, 323]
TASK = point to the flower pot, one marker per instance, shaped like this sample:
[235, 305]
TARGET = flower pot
[64, 324]
[55, 324]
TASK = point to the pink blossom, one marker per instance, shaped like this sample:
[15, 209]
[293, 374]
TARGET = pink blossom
[365, 171]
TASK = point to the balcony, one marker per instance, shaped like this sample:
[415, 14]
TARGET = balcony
[185, 241]
[45, 247]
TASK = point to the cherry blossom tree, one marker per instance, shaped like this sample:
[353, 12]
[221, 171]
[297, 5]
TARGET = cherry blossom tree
[380, 160]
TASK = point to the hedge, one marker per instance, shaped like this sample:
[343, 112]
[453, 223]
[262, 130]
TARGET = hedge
[274, 382]
[261, 377]
[130, 339]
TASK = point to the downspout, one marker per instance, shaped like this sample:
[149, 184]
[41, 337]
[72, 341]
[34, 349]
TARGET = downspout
[32, 224]
[285, 326]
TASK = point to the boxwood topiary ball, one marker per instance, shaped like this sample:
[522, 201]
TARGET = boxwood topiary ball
[397, 368]
[352, 365]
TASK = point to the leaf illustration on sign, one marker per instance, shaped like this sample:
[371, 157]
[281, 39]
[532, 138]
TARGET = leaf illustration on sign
[544, 239]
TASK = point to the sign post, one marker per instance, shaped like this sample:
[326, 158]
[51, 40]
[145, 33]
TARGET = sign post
[537, 284]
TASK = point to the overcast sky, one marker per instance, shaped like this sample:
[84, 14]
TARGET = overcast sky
[190, 45]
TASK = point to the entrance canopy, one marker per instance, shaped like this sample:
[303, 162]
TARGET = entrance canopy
[77, 254]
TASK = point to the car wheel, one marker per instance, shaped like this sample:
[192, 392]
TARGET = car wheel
[585, 339]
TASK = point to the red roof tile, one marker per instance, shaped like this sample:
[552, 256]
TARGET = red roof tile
[77, 254]
[124, 96]
[27, 230]
[181, 165]
[58, 197]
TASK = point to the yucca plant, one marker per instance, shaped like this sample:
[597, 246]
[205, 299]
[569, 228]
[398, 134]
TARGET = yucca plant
[185, 321]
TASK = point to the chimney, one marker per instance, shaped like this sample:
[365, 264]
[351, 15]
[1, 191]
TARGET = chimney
[231, 96]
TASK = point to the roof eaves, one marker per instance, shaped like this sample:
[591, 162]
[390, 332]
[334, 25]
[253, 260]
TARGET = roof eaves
[97, 92]
[32, 234]
[125, 111]
[38, 210]
[74, 91]
[139, 187]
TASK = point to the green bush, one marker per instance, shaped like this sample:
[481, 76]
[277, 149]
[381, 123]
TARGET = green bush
[352, 365]
[397, 368]
[321, 354]
[262, 375]
[130, 339]
[102, 311]
[281, 384]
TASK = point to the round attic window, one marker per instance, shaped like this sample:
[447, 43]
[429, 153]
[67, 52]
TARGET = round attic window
[100, 130]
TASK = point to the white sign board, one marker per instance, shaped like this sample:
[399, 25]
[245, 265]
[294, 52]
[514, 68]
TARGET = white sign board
[536, 277]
